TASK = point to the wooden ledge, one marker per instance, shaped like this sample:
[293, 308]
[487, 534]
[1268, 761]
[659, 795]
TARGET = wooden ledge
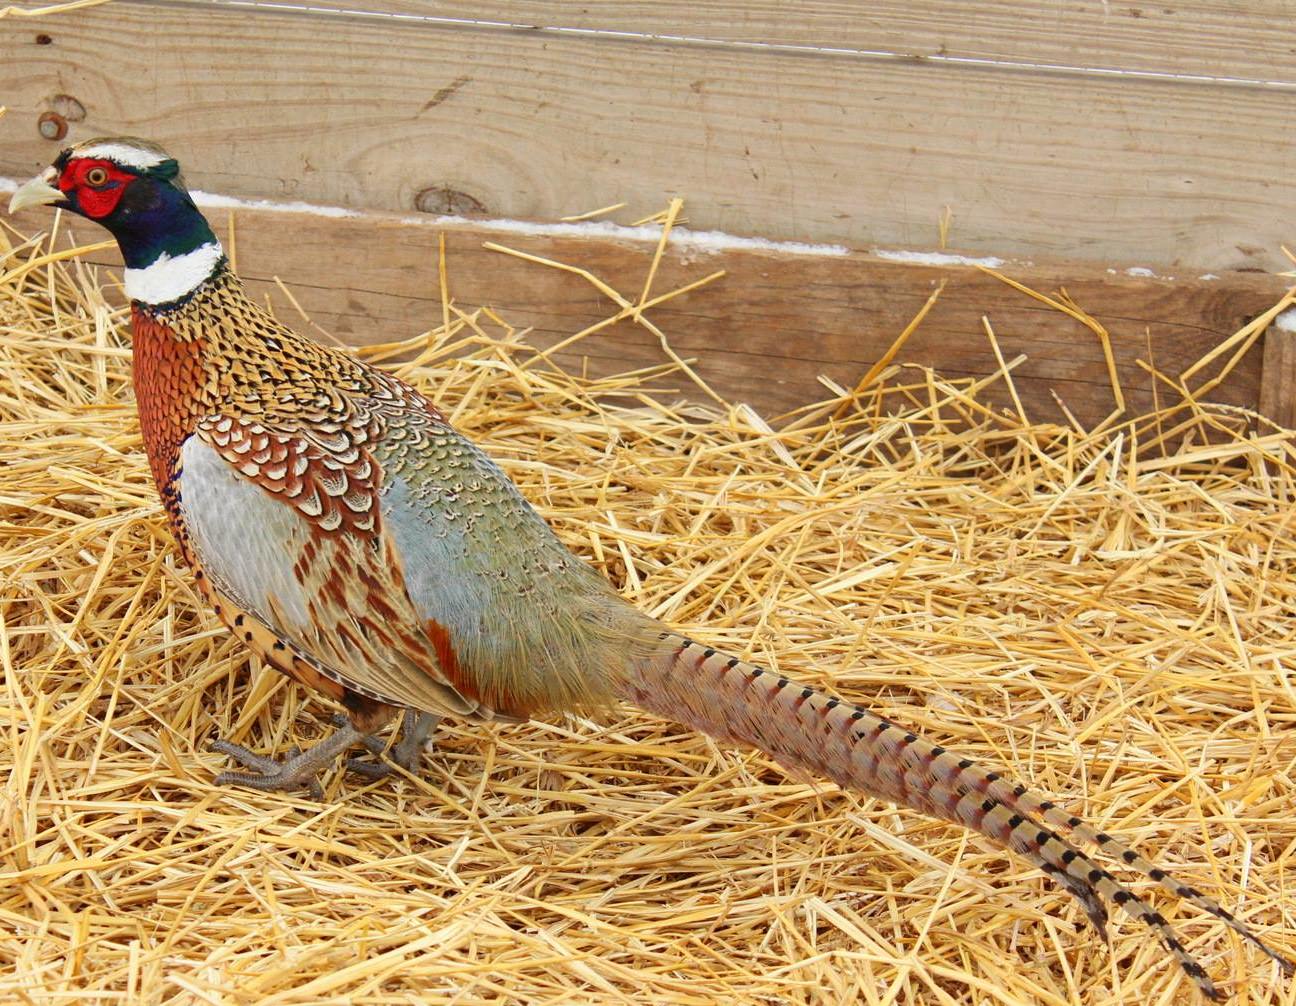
[776, 321]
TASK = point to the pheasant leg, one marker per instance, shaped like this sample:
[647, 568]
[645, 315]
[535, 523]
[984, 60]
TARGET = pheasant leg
[299, 769]
[414, 730]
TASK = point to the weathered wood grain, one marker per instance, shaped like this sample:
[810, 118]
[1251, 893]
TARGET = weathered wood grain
[1239, 40]
[368, 112]
[766, 331]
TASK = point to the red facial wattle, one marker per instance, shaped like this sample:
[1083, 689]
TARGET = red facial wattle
[95, 185]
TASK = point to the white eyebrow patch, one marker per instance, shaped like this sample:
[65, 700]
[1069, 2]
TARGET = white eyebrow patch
[121, 153]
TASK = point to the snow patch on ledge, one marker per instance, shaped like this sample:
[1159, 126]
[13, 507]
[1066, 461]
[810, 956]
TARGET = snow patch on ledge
[1286, 322]
[937, 258]
[216, 201]
[709, 242]
[681, 237]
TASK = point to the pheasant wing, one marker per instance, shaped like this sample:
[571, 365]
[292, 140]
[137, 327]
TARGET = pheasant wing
[290, 530]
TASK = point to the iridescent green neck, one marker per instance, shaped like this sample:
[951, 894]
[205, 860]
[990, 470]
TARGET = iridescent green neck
[156, 219]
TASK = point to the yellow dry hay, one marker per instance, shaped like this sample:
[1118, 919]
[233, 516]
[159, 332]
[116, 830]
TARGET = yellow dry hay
[1112, 616]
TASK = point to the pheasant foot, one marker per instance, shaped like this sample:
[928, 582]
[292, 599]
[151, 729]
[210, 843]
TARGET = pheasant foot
[414, 730]
[299, 769]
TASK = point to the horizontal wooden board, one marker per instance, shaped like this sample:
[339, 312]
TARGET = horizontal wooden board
[371, 112]
[1241, 41]
[1278, 384]
[768, 329]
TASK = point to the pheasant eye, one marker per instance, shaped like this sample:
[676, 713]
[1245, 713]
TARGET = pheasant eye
[96, 177]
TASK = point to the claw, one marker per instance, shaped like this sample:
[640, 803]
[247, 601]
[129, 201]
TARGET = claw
[270, 781]
[371, 770]
[245, 757]
[299, 769]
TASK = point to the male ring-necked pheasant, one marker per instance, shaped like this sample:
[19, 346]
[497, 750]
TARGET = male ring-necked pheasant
[357, 543]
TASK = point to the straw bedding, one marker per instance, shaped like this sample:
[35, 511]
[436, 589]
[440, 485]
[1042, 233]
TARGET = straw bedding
[1112, 616]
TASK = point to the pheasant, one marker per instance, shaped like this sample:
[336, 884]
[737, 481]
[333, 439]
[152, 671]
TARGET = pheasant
[357, 543]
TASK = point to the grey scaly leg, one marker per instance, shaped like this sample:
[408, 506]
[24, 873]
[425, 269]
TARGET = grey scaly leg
[297, 770]
[414, 730]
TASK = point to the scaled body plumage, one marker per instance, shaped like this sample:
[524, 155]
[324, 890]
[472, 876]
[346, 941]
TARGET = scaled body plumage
[332, 504]
[359, 544]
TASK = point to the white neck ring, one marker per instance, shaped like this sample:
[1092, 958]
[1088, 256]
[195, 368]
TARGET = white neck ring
[169, 279]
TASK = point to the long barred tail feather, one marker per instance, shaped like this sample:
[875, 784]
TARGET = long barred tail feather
[1027, 802]
[736, 701]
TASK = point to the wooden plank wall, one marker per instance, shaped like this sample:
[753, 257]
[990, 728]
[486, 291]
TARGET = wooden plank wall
[1080, 137]
[768, 329]
[1132, 133]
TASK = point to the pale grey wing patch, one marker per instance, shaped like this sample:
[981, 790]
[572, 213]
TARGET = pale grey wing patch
[245, 540]
[252, 544]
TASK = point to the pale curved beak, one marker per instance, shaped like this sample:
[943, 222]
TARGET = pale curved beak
[37, 192]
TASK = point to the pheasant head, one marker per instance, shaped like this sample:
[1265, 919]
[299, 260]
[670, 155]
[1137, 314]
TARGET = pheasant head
[134, 189]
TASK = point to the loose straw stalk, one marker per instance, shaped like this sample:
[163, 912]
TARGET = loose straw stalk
[1119, 630]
